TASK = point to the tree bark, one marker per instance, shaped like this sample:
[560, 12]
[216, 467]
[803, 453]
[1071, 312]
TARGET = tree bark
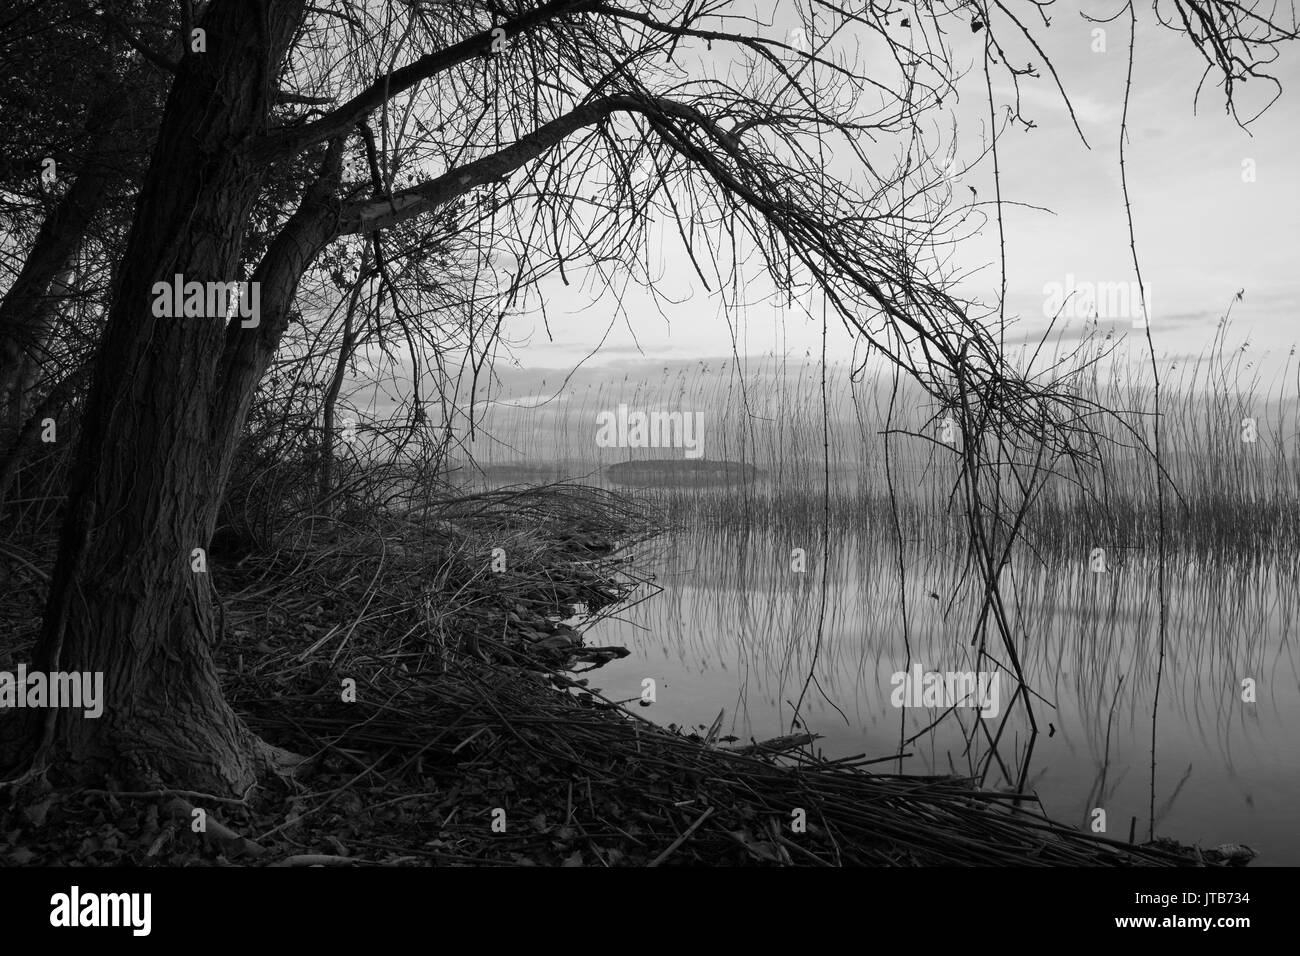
[28, 306]
[124, 599]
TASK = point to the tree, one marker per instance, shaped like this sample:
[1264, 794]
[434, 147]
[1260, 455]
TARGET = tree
[80, 107]
[125, 598]
[565, 126]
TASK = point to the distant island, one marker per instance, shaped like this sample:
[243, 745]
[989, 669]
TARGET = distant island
[677, 471]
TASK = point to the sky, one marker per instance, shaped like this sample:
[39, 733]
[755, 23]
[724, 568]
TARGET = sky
[1216, 210]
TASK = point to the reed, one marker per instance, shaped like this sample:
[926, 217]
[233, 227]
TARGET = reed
[457, 703]
[1232, 494]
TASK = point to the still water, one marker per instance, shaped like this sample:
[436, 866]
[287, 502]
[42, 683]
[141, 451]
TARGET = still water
[735, 627]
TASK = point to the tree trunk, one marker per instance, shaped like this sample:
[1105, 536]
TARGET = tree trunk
[28, 306]
[144, 490]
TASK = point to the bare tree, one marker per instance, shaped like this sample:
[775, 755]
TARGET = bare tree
[563, 129]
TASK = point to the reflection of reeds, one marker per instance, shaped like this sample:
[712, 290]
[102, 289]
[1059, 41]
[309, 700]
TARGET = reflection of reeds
[1024, 522]
[732, 605]
[484, 716]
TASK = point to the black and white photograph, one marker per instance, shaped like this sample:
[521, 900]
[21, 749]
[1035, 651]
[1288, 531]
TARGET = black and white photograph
[690, 435]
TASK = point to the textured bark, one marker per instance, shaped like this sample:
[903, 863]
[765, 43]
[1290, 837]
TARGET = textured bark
[248, 352]
[144, 491]
[24, 379]
[28, 436]
[168, 402]
[100, 170]
[28, 307]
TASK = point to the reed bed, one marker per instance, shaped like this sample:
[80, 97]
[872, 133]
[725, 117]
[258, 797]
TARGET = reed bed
[1052, 461]
[463, 707]
[460, 617]
[467, 700]
[1230, 449]
[521, 559]
[613, 788]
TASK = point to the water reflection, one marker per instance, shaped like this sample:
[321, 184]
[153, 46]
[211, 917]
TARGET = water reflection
[735, 627]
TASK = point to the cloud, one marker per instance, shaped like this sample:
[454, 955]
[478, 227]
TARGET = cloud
[1034, 96]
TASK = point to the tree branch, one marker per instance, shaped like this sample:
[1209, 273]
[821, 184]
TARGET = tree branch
[284, 96]
[149, 53]
[248, 351]
[368, 215]
[282, 144]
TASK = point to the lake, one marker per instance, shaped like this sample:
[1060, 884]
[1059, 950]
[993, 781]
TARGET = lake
[734, 628]
[740, 620]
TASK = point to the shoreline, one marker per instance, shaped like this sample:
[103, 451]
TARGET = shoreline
[464, 735]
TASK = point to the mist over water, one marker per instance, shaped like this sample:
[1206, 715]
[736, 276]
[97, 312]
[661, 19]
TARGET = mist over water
[812, 564]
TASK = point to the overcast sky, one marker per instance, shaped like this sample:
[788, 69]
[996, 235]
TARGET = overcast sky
[1203, 232]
